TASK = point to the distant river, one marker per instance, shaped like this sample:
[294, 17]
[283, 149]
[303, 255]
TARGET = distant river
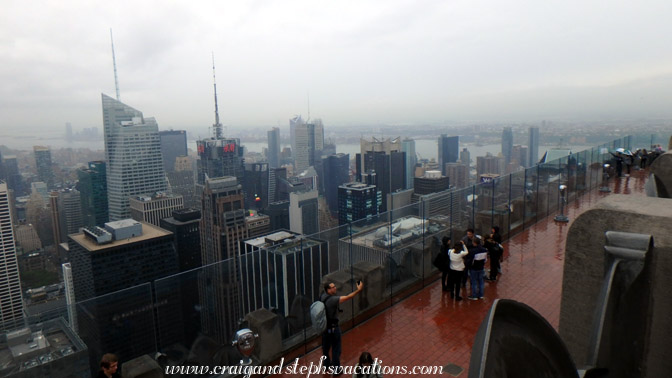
[426, 148]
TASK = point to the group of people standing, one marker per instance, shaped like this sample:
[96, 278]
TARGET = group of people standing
[466, 260]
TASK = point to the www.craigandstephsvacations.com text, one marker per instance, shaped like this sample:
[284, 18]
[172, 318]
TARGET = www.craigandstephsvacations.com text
[307, 370]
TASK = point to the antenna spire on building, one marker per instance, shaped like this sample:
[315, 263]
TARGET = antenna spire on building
[217, 127]
[114, 63]
[308, 107]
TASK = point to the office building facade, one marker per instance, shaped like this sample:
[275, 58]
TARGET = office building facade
[308, 139]
[507, 144]
[303, 212]
[11, 299]
[219, 158]
[277, 268]
[458, 173]
[124, 255]
[408, 147]
[358, 201]
[533, 147]
[337, 173]
[256, 186]
[43, 166]
[92, 187]
[431, 182]
[173, 144]
[133, 156]
[151, 209]
[449, 148]
[222, 227]
[273, 152]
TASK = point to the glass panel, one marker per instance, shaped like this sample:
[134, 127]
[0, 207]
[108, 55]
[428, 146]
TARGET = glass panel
[366, 255]
[547, 179]
[484, 204]
[518, 204]
[207, 303]
[121, 323]
[462, 203]
[501, 214]
[531, 196]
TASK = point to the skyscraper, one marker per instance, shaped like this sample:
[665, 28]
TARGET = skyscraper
[458, 173]
[182, 182]
[431, 182]
[222, 227]
[255, 186]
[133, 155]
[303, 214]
[358, 201]
[507, 144]
[489, 164]
[173, 144]
[273, 154]
[184, 224]
[122, 256]
[308, 138]
[449, 148]
[337, 173]
[43, 165]
[12, 176]
[11, 301]
[290, 265]
[465, 157]
[69, 212]
[151, 209]
[533, 147]
[377, 161]
[519, 156]
[2, 169]
[219, 158]
[408, 146]
[279, 214]
[92, 188]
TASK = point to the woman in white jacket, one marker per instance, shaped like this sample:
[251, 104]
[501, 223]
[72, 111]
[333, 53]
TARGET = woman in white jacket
[457, 267]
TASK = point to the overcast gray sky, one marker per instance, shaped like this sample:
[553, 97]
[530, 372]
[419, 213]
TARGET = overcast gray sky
[362, 62]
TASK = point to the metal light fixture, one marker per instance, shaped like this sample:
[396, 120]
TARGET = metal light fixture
[245, 340]
[563, 200]
[605, 179]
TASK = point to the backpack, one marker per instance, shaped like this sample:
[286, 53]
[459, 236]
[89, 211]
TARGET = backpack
[441, 260]
[318, 315]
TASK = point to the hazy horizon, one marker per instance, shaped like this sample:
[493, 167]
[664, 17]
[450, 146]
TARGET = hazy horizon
[391, 62]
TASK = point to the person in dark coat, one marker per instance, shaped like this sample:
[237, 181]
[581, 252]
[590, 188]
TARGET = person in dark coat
[442, 262]
[493, 243]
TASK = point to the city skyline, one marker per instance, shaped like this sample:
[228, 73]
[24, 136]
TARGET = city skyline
[381, 62]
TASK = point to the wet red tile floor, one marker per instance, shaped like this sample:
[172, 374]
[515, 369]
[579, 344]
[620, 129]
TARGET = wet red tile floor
[430, 329]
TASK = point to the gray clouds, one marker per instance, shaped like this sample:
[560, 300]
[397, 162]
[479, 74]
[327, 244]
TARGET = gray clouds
[391, 61]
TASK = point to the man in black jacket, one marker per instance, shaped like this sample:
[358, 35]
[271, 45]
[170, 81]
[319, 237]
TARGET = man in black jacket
[331, 338]
[478, 256]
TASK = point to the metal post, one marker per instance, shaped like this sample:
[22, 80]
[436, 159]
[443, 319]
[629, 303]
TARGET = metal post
[563, 192]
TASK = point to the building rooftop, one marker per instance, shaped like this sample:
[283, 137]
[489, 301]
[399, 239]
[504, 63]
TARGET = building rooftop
[404, 231]
[154, 197]
[30, 347]
[356, 185]
[148, 232]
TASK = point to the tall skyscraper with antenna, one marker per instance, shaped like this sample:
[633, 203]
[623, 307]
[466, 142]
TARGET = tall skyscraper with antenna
[219, 156]
[133, 154]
